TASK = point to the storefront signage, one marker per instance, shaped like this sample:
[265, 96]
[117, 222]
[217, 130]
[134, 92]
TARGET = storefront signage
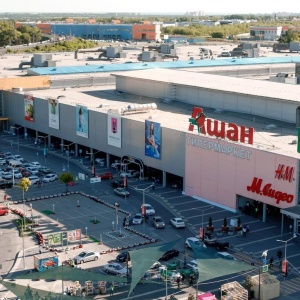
[285, 173]
[218, 128]
[266, 190]
[220, 148]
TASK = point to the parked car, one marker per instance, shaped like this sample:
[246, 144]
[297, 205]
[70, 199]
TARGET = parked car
[4, 210]
[193, 265]
[33, 170]
[18, 157]
[147, 209]
[130, 174]
[117, 183]
[122, 257]
[34, 179]
[24, 172]
[169, 254]
[44, 170]
[177, 222]
[156, 265]
[209, 239]
[50, 177]
[121, 192]
[4, 184]
[221, 245]
[192, 241]
[177, 184]
[35, 164]
[158, 222]
[137, 219]
[2, 161]
[17, 174]
[7, 175]
[86, 256]
[115, 268]
[225, 255]
[106, 175]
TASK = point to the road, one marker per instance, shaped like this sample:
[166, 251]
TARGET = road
[167, 202]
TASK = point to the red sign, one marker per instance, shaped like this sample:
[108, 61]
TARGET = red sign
[201, 233]
[284, 266]
[285, 173]
[218, 128]
[266, 190]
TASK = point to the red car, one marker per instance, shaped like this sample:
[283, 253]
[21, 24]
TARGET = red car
[106, 175]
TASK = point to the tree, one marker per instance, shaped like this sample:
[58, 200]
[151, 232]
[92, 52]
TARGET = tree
[24, 184]
[217, 35]
[66, 178]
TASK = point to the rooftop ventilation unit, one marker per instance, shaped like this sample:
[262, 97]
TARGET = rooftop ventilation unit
[138, 107]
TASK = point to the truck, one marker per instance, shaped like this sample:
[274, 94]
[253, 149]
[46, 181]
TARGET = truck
[45, 261]
[294, 46]
[278, 47]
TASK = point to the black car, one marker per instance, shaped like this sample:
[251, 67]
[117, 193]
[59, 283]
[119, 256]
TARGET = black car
[123, 256]
[169, 254]
[117, 183]
[5, 184]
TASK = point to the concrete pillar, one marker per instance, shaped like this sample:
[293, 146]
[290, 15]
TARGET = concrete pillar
[76, 149]
[164, 179]
[49, 140]
[107, 160]
[91, 155]
[264, 215]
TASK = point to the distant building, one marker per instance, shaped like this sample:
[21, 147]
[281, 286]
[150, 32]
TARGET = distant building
[268, 33]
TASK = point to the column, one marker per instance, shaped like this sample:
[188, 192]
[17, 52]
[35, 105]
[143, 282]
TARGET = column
[76, 149]
[107, 160]
[49, 141]
[164, 179]
[91, 155]
[264, 213]
[25, 133]
[62, 145]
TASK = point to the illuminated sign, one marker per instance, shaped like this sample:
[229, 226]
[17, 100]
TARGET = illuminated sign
[285, 173]
[218, 128]
[266, 190]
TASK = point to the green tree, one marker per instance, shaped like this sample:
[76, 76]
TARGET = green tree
[217, 35]
[24, 184]
[66, 178]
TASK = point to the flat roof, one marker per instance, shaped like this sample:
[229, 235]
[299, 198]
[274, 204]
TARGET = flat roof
[274, 90]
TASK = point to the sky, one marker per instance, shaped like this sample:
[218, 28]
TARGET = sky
[150, 6]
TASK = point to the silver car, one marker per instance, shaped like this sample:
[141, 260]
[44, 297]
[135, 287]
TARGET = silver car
[85, 256]
[158, 222]
[115, 268]
[137, 219]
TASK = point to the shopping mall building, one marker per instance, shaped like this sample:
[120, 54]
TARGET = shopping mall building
[230, 141]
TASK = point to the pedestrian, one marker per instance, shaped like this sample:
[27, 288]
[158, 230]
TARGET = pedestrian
[279, 254]
[147, 217]
[112, 288]
[291, 228]
[191, 297]
[271, 262]
[39, 183]
[182, 277]
[191, 280]
[132, 293]
[252, 261]
[178, 281]
[244, 231]
[40, 249]
[256, 211]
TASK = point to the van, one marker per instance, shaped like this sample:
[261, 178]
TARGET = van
[15, 164]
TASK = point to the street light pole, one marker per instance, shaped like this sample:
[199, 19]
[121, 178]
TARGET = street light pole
[68, 154]
[17, 128]
[93, 160]
[285, 247]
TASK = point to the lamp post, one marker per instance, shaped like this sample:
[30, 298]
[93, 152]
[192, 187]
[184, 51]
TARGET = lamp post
[86, 232]
[285, 249]
[17, 128]
[143, 206]
[45, 145]
[117, 216]
[93, 161]
[68, 154]
[202, 228]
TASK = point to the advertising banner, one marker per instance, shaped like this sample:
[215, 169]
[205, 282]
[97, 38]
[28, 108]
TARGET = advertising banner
[114, 128]
[74, 235]
[55, 238]
[53, 107]
[82, 121]
[29, 107]
[152, 139]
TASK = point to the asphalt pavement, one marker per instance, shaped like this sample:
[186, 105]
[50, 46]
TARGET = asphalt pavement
[167, 201]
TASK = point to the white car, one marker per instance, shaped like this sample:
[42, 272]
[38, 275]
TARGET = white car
[33, 170]
[121, 192]
[193, 265]
[130, 174]
[33, 179]
[18, 157]
[147, 209]
[177, 222]
[6, 175]
[17, 174]
[2, 161]
[137, 219]
[35, 164]
[50, 177]
[192, 241]
[115, 268]
[85, 256]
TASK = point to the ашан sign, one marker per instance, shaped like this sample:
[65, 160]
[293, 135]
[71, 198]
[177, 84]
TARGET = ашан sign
[218, 128]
